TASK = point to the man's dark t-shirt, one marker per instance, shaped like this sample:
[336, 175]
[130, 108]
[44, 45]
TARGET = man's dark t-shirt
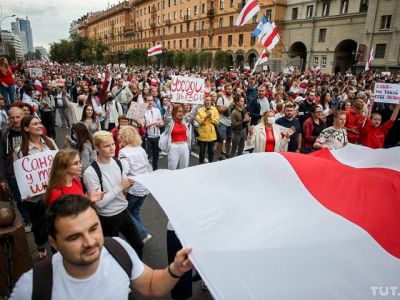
[293, 139]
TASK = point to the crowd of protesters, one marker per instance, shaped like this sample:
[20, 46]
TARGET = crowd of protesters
[122, 120]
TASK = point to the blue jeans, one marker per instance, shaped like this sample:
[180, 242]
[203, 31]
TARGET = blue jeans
[8, 94]
[134, 205]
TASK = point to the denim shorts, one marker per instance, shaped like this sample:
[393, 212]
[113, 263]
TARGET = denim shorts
[224, 131]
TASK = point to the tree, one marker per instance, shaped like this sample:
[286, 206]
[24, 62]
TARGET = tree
[205, 59]
[10, 51]
[221, 59]
[192, 59]
[179, 59]
[38, 55]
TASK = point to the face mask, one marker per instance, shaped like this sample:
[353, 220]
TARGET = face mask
[109, 98]
[271, 120]
[81, 102]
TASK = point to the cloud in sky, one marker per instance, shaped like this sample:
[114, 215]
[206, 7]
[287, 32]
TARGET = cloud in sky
[50, 19]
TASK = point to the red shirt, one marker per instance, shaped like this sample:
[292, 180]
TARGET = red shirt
[114, 132]
[74, 189]
[178, 133]
[353, 121]
[375, 137]
[7, 77]
[270, 140]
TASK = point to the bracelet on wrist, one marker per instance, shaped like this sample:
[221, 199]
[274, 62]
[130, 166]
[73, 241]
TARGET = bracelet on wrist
[172, 274]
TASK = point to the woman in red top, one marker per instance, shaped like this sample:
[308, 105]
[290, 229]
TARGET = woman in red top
[64, 177]
[7, 87]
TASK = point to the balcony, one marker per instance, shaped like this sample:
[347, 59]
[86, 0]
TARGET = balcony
[153, 25]
[186, 18]
[210, 32]
[211, 13]
[168, 22]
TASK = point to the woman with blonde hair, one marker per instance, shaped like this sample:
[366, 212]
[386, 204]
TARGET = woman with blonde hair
[134, 159]
[64, 178]
[7, 84]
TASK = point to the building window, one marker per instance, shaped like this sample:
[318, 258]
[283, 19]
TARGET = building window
[344, 6]
[180, 44]
[163, 4]
[220, 41]
[364, 6]
[188, 12]
[252, 41]
[203, 25]
[316, 60]
[232, 3]
[240, 39]
[229, 40]
[174, 42]
[187, 43]
[325, 9]
[195, 26]
[169, 45]
[385, 22]
[181, 28]
[322, 35]
[221, 22]
[203, 8]
[195, 10]
[181, 13]
[255, 18]
[323, 62]
[268, 13]
[295, 13]
[174, 29]
[221, 4]
[210, 41]
[194, 43]
[169, 3]
[230, 20]
[310, 9]
[175, 15]
[380, 50]
[202, 43]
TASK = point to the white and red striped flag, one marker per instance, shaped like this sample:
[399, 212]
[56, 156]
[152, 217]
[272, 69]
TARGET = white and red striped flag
[157, 49]
[370, 59]
[250, 9]
[261, 60]
[321, 226]
[271, 36]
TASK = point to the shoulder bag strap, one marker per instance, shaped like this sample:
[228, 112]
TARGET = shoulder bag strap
[42, 280]
[120, 255]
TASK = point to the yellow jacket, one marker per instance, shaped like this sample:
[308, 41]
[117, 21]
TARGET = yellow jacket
[206, 130]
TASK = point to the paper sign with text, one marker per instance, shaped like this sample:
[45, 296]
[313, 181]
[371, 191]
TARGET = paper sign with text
[187, 90]
[387, 93]
[36, 72]
[32, 173]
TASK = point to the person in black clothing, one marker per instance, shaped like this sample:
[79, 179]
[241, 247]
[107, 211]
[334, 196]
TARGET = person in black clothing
[289, 121]
[305, 107]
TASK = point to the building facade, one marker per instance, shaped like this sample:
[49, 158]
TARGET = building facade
[13, 39]
[22, 28]
[334, 34]
[339, 34]
[43, 51]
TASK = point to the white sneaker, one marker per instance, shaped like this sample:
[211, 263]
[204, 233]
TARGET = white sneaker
[147, 238]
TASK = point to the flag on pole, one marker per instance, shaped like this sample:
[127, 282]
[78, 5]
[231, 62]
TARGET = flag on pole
[271, 36]
[257, 31]
[325, 225]
[261, 60]
[370, 59]
[247, 12]
[157, 49]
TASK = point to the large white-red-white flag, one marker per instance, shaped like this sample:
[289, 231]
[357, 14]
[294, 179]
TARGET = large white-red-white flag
[271, 36]
[370, 59]
[248, 11]
[157, 49]
[321, 226]
[261, 60]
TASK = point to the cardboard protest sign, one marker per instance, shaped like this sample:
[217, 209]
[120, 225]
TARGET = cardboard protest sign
[36, 72]
[32, 173]
[60, 82]
[187, 90]
[387, 93]
[136, 111]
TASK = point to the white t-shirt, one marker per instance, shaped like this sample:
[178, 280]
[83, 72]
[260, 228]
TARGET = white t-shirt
[109, 282]
[150, 116]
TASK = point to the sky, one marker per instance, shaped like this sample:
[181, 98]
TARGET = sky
[50, 19]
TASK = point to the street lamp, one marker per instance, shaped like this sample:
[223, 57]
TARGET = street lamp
[1, 32]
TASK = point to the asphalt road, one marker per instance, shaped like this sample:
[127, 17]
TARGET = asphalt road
[155, 220]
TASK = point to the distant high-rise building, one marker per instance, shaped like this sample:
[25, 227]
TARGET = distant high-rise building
[42, 50]
[13, 39]
[22, 28]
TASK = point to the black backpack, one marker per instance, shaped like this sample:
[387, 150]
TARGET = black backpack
[96, 168]
[43, 270]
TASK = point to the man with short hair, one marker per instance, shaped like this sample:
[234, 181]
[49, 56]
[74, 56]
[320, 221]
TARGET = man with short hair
[258, 106]
[84, 269]
[122, 95]
[10, 139]
[289, 121]
[153, 121]
[306, 106]
[239, 120]
[106, 174]
[224, 106]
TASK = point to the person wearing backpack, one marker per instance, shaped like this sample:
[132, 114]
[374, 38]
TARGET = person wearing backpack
[89, 266]
[107, 175]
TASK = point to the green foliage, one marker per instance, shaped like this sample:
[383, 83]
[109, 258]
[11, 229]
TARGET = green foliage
[138, 56]
[205, 59]
[38, 55]
[221, 59]
[192, 59]
[10, 51]
[179, 59]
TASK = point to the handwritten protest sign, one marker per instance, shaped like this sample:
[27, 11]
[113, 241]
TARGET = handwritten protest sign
[387, 93]
[36, 72]
[32, 173]
[136, 111]
[187, 90]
